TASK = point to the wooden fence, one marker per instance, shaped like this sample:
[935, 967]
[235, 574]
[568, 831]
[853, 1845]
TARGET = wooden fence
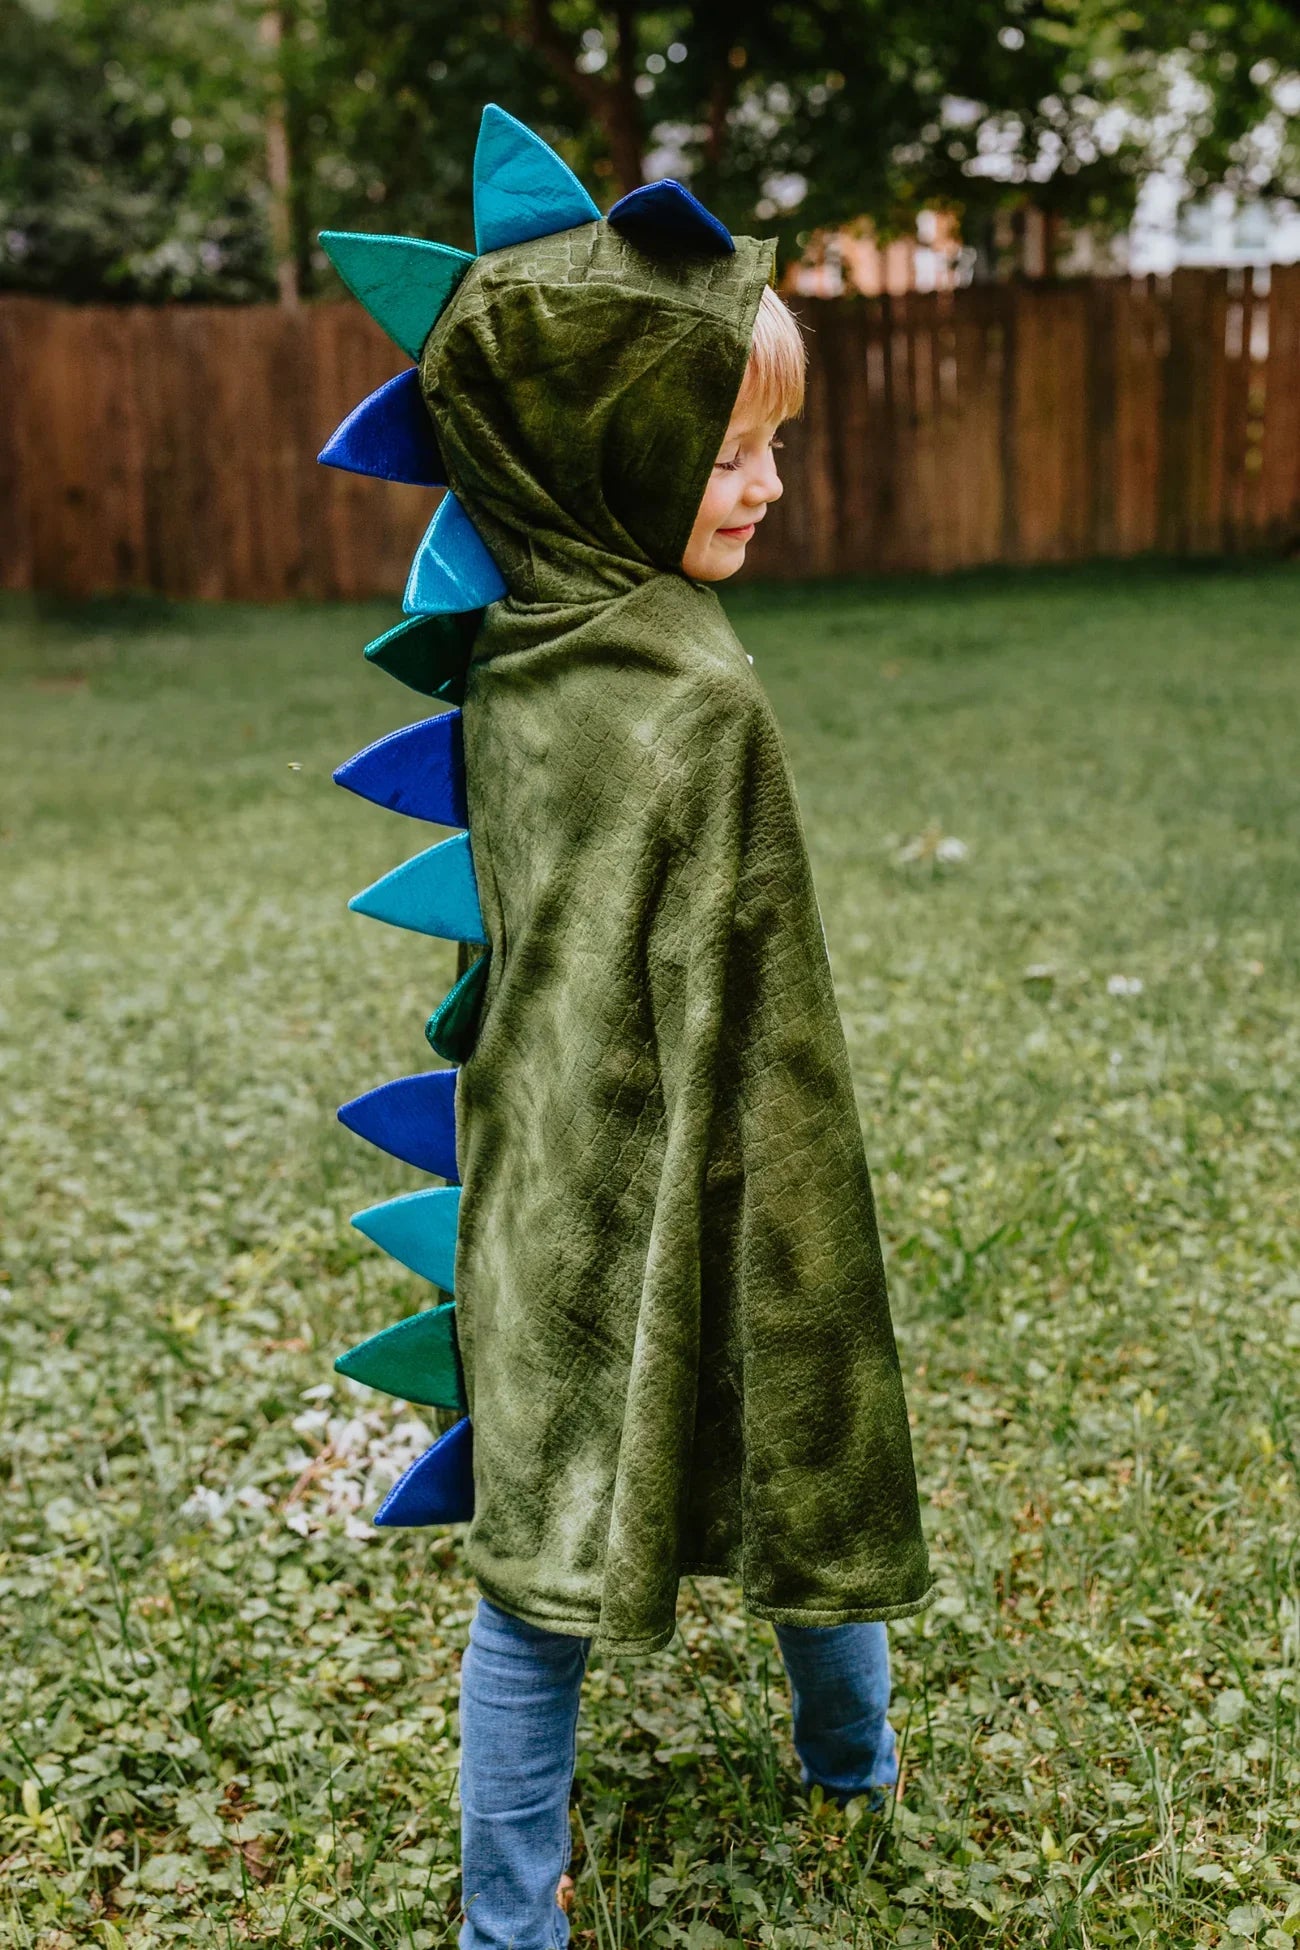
[174, 449]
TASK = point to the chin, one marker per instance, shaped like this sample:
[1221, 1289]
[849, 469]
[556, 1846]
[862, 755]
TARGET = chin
[721, 559]
[726, 563]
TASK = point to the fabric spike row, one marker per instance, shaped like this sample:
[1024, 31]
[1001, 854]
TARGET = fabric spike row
[522, 190]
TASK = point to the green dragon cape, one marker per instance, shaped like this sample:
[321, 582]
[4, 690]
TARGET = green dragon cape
[671, 1332]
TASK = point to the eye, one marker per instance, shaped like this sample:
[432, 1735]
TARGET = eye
[728, 466]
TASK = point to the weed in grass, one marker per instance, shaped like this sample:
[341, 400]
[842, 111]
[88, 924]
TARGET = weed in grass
[1054, 822]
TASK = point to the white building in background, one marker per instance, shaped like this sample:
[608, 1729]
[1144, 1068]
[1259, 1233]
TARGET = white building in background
[1028, 241]
[1218, 231]
[1214, 232]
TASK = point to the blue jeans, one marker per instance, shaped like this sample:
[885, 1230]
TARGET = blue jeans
[519, 1692]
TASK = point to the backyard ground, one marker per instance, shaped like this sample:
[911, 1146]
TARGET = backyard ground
[1055, 822]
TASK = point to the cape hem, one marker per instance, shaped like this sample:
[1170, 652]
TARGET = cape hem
[582, 1628]
[773, 1614]
[848, 1614]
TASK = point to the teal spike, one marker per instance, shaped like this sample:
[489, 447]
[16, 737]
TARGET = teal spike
[452, 569]
[430, 653]
[419, 1230]
[452, 1029]
[416, 1360]
[435, 893]
[403, 282]
[522, 189]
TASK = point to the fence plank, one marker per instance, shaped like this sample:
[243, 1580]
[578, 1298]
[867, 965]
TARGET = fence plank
[1279, 418]
[1140, 346]
[175, 449]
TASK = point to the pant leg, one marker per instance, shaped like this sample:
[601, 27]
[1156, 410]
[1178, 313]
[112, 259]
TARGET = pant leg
[519, 1693]
[839, 1688]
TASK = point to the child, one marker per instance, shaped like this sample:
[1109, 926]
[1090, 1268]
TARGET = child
[670, 1303]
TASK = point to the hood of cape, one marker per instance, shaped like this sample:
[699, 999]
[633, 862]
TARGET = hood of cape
[582, 491]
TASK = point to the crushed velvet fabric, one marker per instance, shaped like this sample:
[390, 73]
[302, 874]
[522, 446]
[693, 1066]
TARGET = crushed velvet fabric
[671, 1307]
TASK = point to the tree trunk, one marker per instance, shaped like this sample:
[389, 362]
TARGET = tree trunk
[612, 105]
[278, 171]
[721, 93]
[623, 121]
[716, 39]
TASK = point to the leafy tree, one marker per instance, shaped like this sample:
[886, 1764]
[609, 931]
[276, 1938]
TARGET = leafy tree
[794, 115]
[1242, 59]
[138, 141]
[131, 149]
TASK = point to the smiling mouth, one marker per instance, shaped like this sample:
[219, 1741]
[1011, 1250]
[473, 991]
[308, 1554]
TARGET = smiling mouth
[745, 531]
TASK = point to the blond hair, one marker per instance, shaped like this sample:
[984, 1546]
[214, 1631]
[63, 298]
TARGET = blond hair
[778, 360]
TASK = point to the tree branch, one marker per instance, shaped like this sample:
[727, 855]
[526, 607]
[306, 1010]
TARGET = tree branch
[612, 104]
[624, 131]
[560, 52]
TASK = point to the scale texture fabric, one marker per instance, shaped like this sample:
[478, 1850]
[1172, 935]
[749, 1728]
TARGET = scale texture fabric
[671, 1306]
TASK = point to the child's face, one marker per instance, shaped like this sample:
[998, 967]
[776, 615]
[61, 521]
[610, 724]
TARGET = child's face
[743, 482]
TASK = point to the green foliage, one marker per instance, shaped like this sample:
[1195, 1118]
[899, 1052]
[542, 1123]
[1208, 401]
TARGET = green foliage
[133, 136]
[131, 149]
[854, 103]
[1055, 822]
[1243, 55]
[878, 108]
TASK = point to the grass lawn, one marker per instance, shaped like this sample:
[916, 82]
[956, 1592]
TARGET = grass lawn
[1055, 822]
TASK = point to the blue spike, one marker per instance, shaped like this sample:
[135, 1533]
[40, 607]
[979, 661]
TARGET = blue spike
[419, 771]
[522, 189]
[435, 893]
[452, 569]
[403, 282]
[390, 435]
[665, 214]
[438, 1487]
[412, 1118]
[418, 1229]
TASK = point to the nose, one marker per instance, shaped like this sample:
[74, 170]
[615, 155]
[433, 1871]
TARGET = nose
[766, 486]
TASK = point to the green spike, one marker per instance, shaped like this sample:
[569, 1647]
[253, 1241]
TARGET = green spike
[452, 1029]
[417, 1360]
[429, 653]
[403, 282]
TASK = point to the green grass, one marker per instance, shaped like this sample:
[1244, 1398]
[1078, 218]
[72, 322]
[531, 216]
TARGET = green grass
[231, 1716]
